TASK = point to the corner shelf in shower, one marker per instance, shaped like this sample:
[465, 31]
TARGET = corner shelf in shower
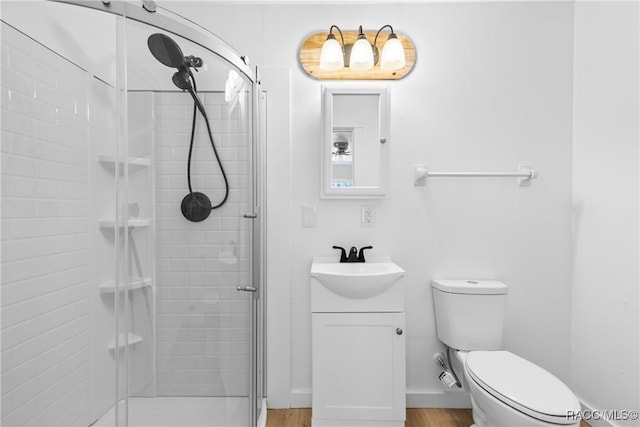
[134, 163]
[134, 283]
[110, 224]
[131, 339]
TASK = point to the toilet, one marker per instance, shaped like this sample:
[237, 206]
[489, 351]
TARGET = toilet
[506, 390]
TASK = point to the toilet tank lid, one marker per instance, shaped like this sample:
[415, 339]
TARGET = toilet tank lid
[473, 287]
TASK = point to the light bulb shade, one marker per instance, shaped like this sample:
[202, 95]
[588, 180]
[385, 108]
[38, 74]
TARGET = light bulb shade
[392, 57]
[331, 55]
[361, 55]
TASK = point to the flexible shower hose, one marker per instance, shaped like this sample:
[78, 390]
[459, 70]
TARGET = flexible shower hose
[213, 145]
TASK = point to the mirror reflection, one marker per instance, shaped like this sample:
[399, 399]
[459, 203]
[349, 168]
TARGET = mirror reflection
[355, 156]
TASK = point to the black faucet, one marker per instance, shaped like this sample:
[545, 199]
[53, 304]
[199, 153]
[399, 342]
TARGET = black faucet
[361, 254]
[353, 254]
[343, 253]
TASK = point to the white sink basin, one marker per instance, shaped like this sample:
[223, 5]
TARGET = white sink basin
[357, 280]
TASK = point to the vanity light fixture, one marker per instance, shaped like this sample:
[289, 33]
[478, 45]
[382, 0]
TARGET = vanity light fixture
[332, 54]
[361, 55]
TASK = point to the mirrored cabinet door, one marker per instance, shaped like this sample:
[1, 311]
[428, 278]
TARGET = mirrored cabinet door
[355, 141]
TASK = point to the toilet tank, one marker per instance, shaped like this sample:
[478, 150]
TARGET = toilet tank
[470, 313]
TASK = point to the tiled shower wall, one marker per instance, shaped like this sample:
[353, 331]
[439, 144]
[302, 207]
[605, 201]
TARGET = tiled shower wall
[45, 278]
[202, 321]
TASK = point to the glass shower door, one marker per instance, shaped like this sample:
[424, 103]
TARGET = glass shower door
[196, 367]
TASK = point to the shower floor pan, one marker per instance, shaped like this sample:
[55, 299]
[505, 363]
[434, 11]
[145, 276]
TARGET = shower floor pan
[183, 412]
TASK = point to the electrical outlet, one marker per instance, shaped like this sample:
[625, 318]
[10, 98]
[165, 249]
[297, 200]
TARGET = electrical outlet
[368, 218]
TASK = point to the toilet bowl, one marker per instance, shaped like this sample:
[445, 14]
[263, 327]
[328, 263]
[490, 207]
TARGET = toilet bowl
[506, 390]
[509, 391]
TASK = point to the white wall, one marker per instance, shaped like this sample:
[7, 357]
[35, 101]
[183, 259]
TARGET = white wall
[605, 324]
[491, 88]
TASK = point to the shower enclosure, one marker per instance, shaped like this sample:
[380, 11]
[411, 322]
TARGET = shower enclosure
[117, 310]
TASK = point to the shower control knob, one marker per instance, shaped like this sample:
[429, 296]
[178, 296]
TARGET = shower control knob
[399, 331]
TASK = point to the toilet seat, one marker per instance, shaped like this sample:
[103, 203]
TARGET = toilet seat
[523, 386]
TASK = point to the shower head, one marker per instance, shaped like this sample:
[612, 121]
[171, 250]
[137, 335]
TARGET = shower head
[181, 79]
[165, 50]
[168, 53]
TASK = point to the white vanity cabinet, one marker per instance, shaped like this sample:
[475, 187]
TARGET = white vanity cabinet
[358, 369]
[358, 348]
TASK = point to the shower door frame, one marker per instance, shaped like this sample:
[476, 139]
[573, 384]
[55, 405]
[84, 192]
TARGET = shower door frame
[217, 46]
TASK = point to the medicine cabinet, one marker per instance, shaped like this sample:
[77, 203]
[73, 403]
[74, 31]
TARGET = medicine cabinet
[355, 142]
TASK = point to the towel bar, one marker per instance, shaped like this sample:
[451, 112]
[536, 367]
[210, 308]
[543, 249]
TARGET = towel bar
[525, 174]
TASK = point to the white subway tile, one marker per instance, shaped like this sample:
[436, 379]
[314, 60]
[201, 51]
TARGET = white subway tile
[73, 191]
[70, 85]
[55, 318]
[17, 82]
[50, 95]
[31, 248]
[61, 172]
[52, 133]
[27, 146]
[173, 98]
[16, 40]
[26, 105]
[19, 208]
[72, 156]
[23, 311]
[69, 120]
[172, 111]
[44, 287]
[18, 416]
[19, 333]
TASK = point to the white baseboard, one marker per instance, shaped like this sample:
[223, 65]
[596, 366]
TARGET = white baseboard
[453, 399]
[301, 398]
[429, 399]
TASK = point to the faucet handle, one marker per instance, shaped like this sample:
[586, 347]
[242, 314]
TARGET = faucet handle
[343, 253]
[361, 254]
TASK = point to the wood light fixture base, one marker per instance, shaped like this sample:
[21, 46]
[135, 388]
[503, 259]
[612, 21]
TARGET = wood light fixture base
[310, 58]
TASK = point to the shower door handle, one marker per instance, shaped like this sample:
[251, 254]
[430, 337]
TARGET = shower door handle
[251, 215]
[246, 289]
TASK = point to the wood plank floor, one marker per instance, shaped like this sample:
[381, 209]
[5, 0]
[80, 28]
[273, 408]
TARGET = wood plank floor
[415, 418]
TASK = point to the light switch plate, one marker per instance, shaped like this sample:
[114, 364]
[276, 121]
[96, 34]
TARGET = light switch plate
[309, 216]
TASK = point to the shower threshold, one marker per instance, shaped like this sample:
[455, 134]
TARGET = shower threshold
[183, 412]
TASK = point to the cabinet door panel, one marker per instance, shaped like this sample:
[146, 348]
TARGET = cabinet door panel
[358, 366]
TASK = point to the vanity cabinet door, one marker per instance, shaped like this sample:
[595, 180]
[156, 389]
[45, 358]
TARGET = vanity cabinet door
[358, 366]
